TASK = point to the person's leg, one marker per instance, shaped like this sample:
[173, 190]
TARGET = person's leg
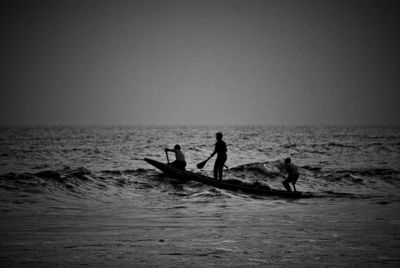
[294, 180]
[223, 160]
[220, 170]
[179, 165]
[286, 184]
[216, 169]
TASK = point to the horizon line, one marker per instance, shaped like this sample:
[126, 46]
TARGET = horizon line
[197, 125]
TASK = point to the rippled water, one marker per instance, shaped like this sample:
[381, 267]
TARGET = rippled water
[336, 158]
[84, 196]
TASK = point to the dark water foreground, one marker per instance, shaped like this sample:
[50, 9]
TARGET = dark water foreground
[252, 233]
[144, 219]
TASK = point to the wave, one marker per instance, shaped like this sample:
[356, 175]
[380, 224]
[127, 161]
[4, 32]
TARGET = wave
[289, 145]
[335, 144]
[64, 179]
[85, 183]
[269, 168]
[371, 172]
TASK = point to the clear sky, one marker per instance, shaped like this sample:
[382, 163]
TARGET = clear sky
[200, 62]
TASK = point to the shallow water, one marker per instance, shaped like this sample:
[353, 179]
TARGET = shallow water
[73, 196]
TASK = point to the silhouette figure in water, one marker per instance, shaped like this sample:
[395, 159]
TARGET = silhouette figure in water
[180, 162]
[293, 174]
[220, 150]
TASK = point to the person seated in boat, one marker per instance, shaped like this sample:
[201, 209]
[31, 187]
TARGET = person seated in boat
[293, 174]
[180, 162]
[220, 150]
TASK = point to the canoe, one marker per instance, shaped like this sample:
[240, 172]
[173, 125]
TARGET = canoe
[227, 185]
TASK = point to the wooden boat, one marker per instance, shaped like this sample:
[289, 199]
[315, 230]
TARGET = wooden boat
[232, 185]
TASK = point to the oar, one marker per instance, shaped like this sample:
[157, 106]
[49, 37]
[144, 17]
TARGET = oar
[202, 164]
[166, 153]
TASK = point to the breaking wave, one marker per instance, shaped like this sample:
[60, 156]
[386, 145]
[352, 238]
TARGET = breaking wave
[85, 183]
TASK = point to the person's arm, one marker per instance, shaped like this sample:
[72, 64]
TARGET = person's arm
[215, 151]
[169, 150]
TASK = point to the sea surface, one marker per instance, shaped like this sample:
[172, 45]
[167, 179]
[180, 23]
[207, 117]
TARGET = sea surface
[73, 196]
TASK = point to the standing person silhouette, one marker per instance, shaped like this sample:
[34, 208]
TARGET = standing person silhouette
[220, 150]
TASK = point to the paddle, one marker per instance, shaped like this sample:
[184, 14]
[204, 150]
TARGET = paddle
[202, 164]
[166, 153]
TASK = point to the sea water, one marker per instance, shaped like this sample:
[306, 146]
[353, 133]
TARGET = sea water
[75, 195]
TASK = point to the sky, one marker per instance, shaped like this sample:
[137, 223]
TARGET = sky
[200, 62]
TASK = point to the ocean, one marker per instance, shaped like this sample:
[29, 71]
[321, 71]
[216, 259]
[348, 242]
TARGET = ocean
[73, 196]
